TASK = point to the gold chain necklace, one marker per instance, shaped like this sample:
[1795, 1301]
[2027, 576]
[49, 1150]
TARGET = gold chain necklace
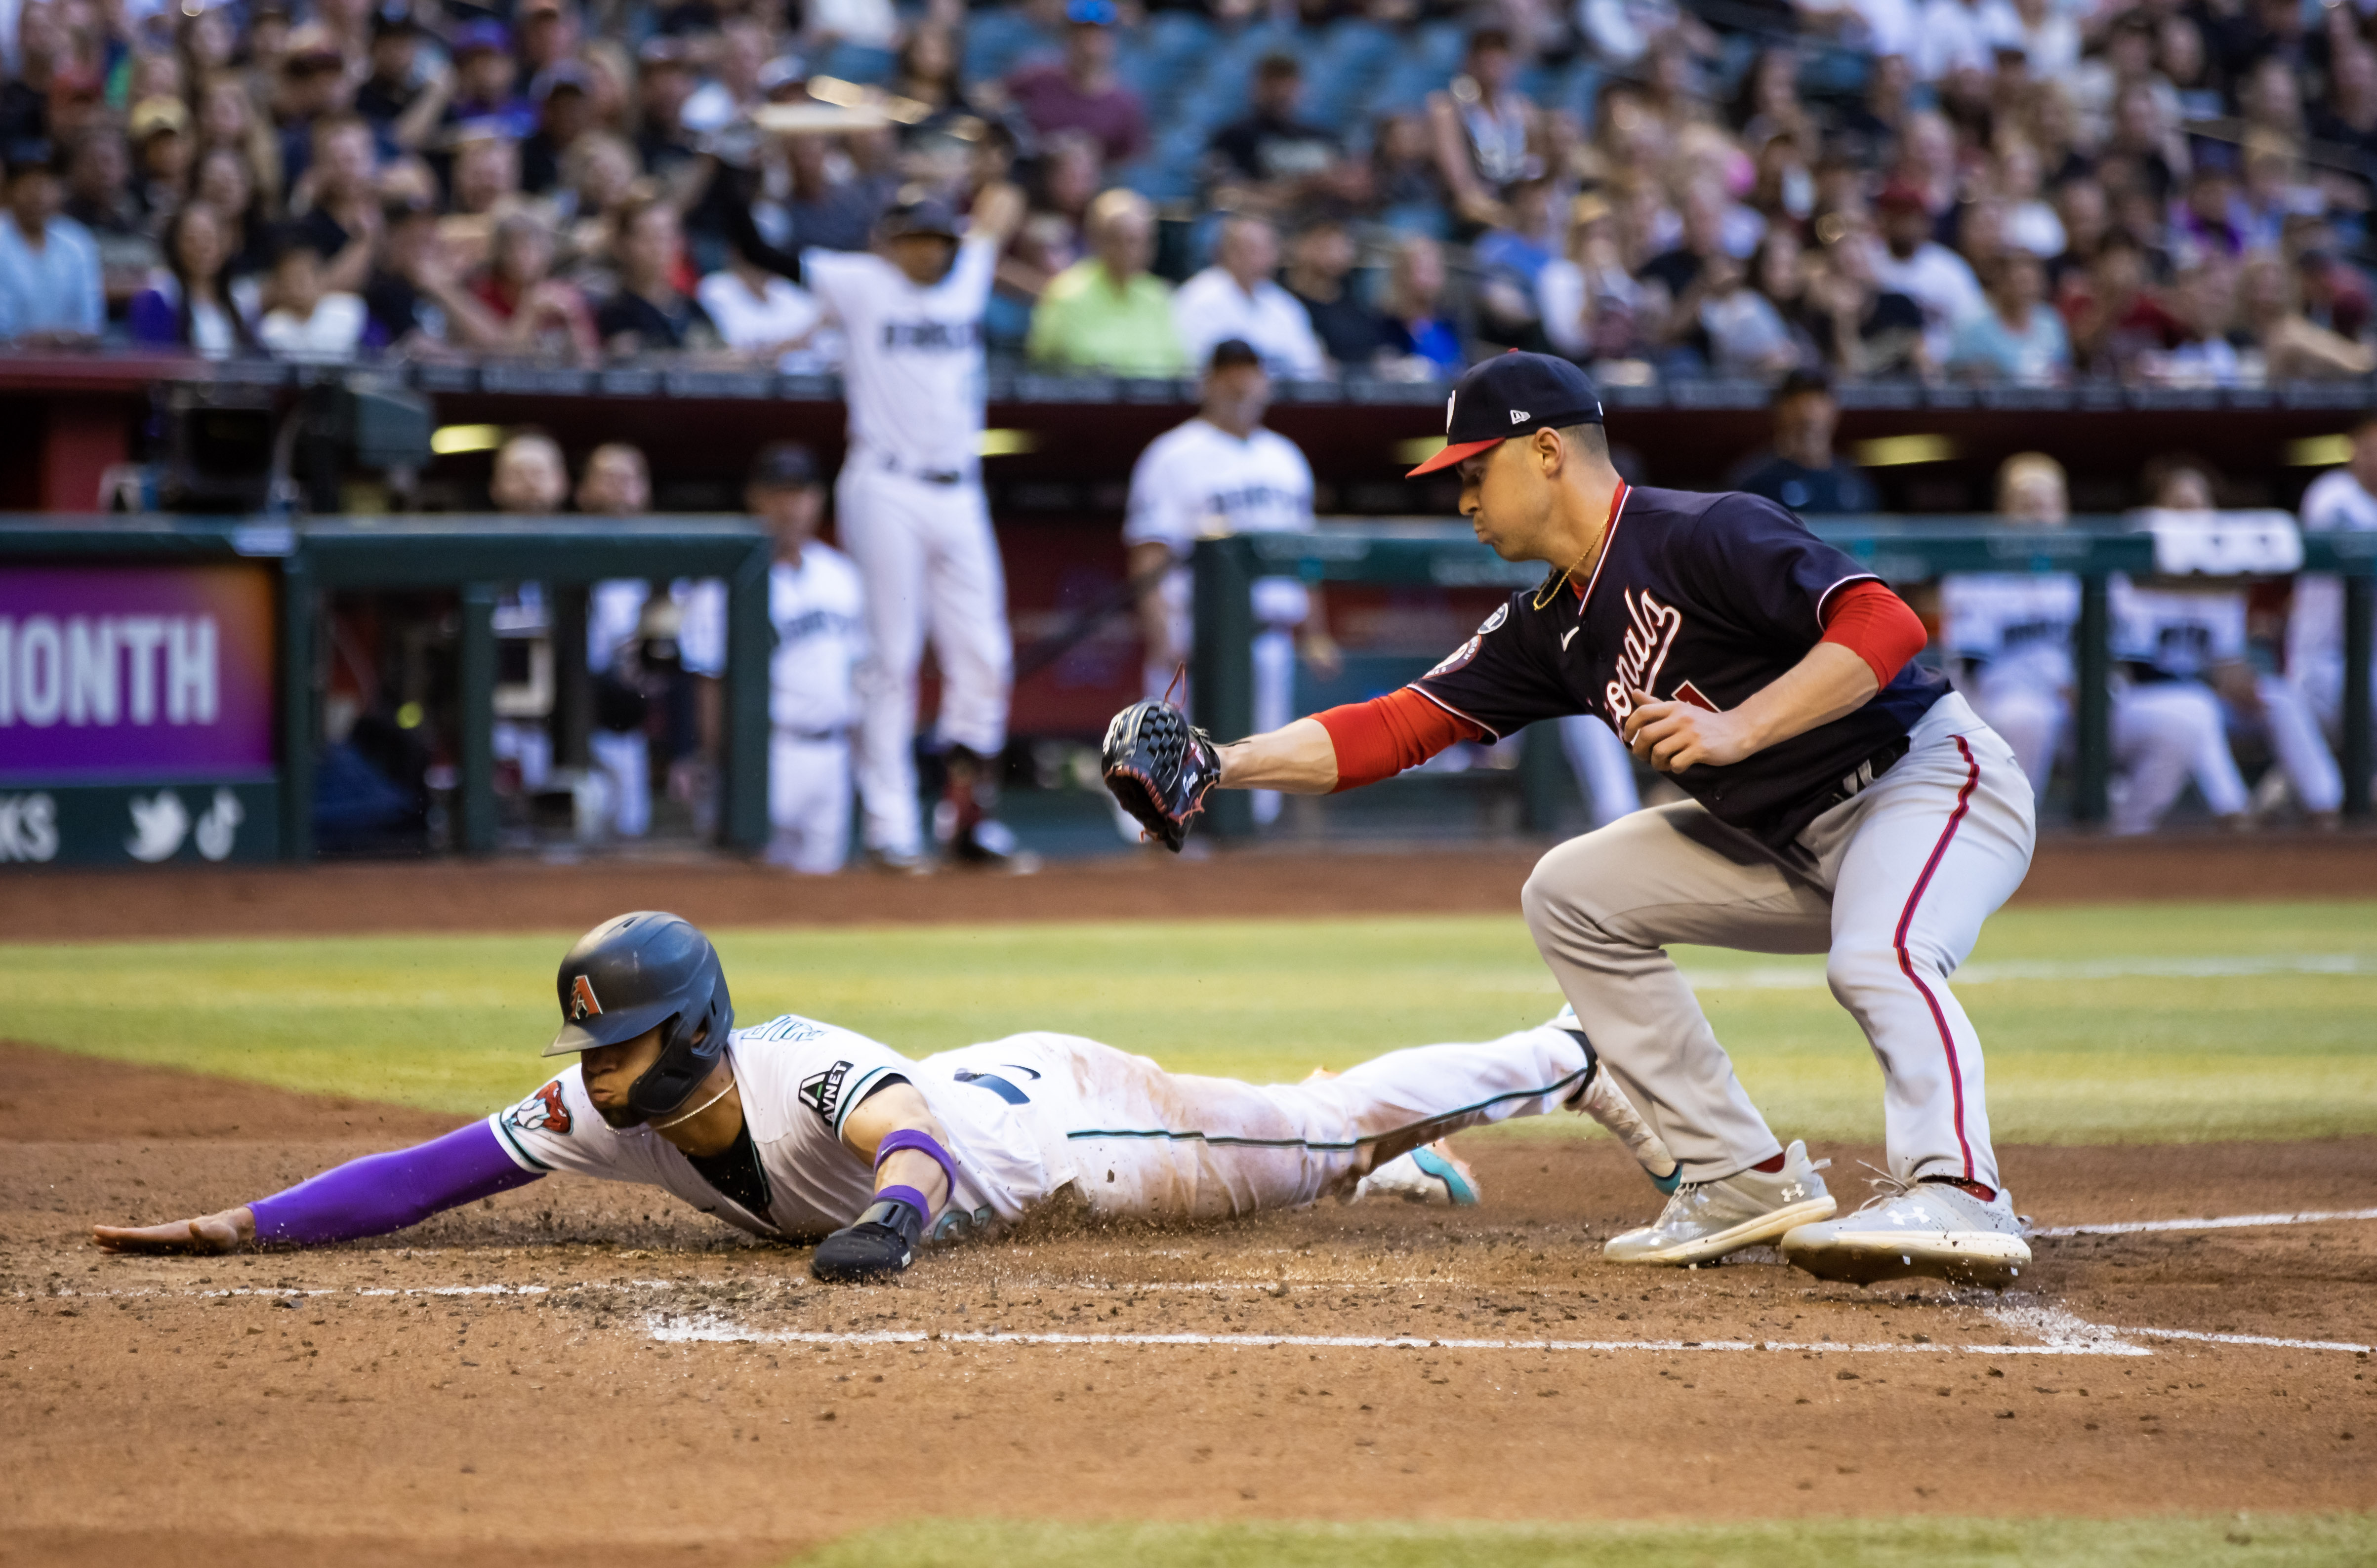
[1544, 595]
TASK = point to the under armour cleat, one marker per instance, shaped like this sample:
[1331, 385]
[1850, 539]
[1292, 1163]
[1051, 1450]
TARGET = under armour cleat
[1431, 1174]
[1919, 1230]
[1704, 1220]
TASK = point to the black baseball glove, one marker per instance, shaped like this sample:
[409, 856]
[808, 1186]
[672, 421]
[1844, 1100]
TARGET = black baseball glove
[883, 1241]
[1159, 767]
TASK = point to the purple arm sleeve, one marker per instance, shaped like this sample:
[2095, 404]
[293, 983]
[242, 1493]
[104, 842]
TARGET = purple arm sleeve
[388, 1192]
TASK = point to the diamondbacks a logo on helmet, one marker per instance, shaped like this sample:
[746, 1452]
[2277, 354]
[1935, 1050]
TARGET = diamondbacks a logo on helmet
[821, 1092]
[582, 1005]
[544, 1111]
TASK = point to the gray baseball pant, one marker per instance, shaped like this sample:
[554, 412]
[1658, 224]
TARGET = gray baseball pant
[1892, 884]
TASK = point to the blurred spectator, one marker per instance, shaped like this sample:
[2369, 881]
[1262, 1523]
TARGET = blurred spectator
[2293, 348]
[2031, 223]
[486, 82]
[228, 121]
[401, 101]
[538, 314]
[158, 131]
[648, 312]
[98, 197]
[188, 300]
[1421, 341]
[1236, 298]
[831, 207]
[928, 74]
[1082, 92]
[338, 200]
[50, 291]
[1587, 299]
[1909, 261]
[1269, 158]
[304, 318]
[528, 479]
[2015, 336]
[313, 88]
[1863, 328]
[732, 89]
[1320, 274]
[1487, 132]
[565, 113]
[1801, 470]
[664, 143]
[1405, 188]
[1106, 312]
[2203, 303]
[414, 300]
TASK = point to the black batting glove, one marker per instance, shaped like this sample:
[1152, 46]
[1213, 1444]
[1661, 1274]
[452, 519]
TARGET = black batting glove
[882, 1242]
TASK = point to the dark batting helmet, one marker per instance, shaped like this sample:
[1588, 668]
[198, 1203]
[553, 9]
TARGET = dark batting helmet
[636, 973]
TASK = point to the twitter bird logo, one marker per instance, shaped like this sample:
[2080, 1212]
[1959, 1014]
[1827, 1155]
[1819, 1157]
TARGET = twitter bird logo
[159, 826]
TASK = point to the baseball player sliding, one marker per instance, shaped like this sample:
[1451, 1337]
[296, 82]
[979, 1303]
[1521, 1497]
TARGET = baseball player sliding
[913, 516]
[1843, 801]
[798, 1131]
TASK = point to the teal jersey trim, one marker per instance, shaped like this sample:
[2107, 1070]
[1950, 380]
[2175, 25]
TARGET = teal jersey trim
[521, 1156]
[855, 1091]
[1230, 1142]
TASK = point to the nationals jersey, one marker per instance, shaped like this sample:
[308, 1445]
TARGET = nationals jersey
[800, 1080]
[913, 374]
[819, 615]
[2017, 625]
[1699, 599]
[1197, 481]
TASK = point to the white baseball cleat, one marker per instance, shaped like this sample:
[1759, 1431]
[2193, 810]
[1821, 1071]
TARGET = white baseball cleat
[1928, 1229]
[1431, 1174]
[1704, 1220]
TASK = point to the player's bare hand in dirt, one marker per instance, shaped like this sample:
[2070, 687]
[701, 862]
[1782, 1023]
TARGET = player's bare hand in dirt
[1673, 736]
[226, 1231]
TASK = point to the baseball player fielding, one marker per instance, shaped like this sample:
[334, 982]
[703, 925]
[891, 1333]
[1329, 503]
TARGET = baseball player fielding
[1842, 799]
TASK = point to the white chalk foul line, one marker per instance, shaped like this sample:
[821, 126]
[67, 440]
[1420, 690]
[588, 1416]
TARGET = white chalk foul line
[2249, 1340]
[2222, 1222]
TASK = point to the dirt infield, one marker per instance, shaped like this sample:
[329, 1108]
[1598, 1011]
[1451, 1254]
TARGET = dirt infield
[585, 1374]
[514, 894]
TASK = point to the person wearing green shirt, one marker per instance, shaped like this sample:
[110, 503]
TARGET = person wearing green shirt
[1106, 312]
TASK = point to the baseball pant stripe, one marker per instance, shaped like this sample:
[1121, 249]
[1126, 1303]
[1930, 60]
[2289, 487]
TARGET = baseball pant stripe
[1907, 963]
[1559, 1088]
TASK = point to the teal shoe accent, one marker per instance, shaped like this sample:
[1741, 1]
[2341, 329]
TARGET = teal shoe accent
[1464, 1196]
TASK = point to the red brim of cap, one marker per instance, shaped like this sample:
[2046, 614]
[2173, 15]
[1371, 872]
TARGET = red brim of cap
[1452, 455]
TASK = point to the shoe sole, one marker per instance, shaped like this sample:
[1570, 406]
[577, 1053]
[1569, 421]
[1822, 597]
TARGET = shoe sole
[1458, 1185]
[1749, 1233]
[1869, 1257]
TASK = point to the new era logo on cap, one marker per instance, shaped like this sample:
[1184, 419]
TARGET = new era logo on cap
[1513, 394]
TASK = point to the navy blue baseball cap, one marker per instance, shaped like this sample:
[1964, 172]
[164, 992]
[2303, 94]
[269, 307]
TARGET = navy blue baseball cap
[1512, 394]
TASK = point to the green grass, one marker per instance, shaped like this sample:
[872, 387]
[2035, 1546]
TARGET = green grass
[453, 1023]
[2259, 1541]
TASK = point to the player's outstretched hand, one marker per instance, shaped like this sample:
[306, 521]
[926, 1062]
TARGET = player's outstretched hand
[881, 1243]
[1160, 767]
[225, 1232]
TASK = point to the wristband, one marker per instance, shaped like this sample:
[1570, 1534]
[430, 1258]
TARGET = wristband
[904, 1194]
[923, 1143]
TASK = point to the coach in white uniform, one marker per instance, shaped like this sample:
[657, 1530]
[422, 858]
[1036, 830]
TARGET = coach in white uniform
[1223, 474]
[817, 613]
[912, 515]
[2012, 633]
[2341, 499]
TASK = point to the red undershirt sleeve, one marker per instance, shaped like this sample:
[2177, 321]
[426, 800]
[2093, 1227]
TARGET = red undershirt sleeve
[1875, 624]
[1381, 738]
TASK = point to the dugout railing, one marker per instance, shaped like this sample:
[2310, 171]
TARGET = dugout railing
[1900, 549]
[307, 560]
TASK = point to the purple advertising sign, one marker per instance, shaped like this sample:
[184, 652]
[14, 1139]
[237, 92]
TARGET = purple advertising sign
[150, 674]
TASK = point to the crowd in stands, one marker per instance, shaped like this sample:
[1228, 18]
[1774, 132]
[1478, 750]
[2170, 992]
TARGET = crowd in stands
[2024, 191]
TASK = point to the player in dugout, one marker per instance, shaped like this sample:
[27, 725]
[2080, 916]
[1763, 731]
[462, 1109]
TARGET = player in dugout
[1842, 801]
[797, 1130]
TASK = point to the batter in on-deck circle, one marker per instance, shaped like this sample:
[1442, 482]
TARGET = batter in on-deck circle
[912, 514]
[796, 1130]
[1843, 801]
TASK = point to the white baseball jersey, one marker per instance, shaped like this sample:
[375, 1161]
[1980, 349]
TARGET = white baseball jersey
[2018, 622]
[819, 612]
[912, 377]
[1197, 481]
[615, 616]
[800, 1079]
[2315, 622]
[2180, 631]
